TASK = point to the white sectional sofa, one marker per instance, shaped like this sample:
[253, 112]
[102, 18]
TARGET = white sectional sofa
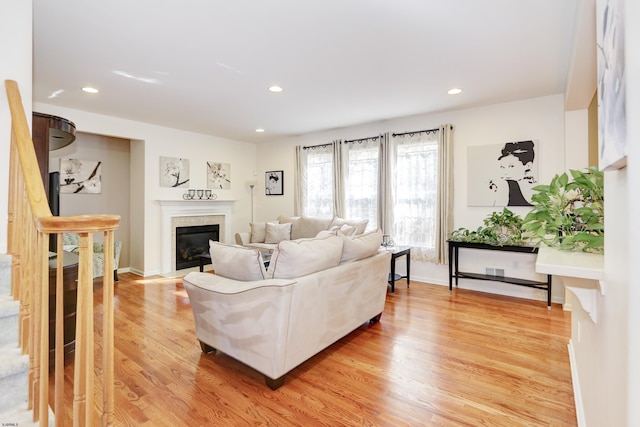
[315, 292]
[266, 235]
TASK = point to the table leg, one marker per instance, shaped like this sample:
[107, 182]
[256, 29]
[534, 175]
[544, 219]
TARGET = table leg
[393, 274]
[450, 267]
[408, 255]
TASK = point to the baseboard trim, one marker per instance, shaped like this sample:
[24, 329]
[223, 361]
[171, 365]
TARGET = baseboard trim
[575, 380]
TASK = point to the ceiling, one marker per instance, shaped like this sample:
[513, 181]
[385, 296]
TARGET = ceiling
[206, 65]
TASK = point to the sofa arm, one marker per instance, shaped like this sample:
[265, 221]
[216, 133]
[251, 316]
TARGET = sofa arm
[243, 238]
[223, 285]
[248, 321]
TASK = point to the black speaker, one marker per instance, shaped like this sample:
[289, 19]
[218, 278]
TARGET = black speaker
[54, 203]
[54, 193]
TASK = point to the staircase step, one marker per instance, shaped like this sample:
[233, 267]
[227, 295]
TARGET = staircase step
[9, 310]
[21, 416]
[14, 368]
[5, 274]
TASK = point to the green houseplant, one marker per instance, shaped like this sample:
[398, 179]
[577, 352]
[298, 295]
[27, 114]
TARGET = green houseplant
[569, 214]
[500, 228]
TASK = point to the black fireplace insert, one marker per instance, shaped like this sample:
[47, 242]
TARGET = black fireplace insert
[193, 241]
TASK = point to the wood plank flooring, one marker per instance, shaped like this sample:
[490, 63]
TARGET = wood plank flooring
[435, 359]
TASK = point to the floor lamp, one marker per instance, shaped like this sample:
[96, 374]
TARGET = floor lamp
[251, 185]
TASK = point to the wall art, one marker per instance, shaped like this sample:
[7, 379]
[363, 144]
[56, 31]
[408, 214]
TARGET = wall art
[80, 176]
[502, 174]
[612, 116]
[218, 176]
[274, 183]
[174, 172]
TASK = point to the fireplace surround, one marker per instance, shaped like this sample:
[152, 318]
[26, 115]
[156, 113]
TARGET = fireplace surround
[183, 213]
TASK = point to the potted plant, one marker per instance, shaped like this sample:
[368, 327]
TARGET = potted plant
[500, 228]
[569, 215]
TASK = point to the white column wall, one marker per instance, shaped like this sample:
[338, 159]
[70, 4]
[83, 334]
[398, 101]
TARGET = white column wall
[16, 64]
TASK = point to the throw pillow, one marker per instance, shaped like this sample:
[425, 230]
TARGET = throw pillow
[362, 246]
[258, 232]
[275, 233]
[347, 230]
[237, 262]
[359, 224]
[326, 233]
[296, 258]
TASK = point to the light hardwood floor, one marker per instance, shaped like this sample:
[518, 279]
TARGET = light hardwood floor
[435, 359]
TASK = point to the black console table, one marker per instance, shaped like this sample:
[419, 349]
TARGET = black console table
[454, 272]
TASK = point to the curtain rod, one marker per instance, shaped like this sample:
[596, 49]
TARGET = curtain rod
[362, 139]
[306, 147]
[416, 131]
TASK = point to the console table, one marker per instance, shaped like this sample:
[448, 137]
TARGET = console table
[454, 271]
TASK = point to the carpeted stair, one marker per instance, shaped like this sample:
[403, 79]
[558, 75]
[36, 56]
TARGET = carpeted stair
[14, 366]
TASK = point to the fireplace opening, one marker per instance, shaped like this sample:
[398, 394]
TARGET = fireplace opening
[193, 241]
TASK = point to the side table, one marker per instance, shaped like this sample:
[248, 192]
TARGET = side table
[397, 252]
[203, 260]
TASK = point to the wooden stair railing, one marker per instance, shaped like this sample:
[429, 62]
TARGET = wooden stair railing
[30, 225]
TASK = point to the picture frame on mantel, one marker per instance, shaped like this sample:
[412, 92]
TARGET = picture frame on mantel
[274, 183]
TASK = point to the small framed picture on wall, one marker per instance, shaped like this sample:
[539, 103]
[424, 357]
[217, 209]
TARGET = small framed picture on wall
[273, 182]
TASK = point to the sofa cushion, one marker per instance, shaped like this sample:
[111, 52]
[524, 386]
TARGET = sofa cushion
[359, 224]
[258, 231]
[275, 233]
[305, 227]
[361, 246]
[295, 258]
[237, 262]
[326, 233]
[347, 230]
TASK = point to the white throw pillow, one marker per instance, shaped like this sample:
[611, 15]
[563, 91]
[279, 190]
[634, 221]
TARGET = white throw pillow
[326, 233]
[237, 262]
[276, 233]
[347, 230]
[359, 224]
[296, 258]
[362, 246]
[259, 231]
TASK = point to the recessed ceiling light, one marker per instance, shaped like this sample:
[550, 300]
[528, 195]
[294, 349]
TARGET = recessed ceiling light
[275, 89]
[90, 89]
[259, 130]
[454, 91]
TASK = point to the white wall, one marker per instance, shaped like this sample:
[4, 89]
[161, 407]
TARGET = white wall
[149, 143]
[540, 119]
[631, 325]
[16, 64]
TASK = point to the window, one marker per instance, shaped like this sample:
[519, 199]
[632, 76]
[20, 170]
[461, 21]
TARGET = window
[317, 183]
[361, 180]
[416, 193]
[400, 184]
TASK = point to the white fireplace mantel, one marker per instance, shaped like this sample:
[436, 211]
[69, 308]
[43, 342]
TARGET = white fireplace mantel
[184, 208]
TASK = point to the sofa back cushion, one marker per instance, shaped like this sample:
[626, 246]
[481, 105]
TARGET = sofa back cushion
[296, 258]
[237, 262]
[305, 227]
[361, 246]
